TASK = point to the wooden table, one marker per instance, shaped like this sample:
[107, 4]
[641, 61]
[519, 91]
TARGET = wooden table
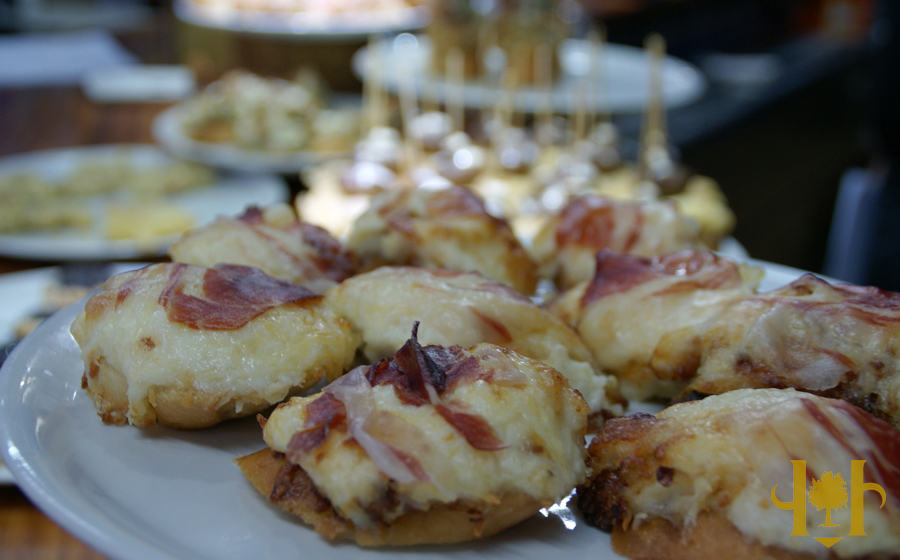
[45, 118]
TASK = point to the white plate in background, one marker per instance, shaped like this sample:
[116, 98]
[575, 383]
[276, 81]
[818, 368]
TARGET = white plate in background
[169, 132]
[161, 494]
[627, 78]
[228, 195]
[320, 27]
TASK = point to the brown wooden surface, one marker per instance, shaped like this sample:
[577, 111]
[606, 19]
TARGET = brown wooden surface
[26, 534]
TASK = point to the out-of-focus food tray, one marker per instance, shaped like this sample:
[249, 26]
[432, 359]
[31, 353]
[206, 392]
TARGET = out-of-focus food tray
[624, 87]
[228, 194]
[304, 26]
[169, 132]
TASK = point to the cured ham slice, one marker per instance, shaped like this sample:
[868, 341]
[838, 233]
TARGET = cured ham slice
[441, 229]
[273, 240]
[463, 309]
[187, 346]
[698, 479]
[641, 317]
[567, 243]
[835, 340]
[422, 433]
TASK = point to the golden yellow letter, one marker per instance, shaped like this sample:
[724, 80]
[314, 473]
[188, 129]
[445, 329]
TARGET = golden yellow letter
[798, 504]
[857, 487]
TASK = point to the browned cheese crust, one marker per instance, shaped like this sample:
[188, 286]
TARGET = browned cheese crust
[290, 488]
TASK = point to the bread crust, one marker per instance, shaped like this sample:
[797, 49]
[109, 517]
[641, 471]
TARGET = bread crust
[288, 487]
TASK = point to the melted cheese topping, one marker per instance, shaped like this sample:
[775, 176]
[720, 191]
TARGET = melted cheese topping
[567, 244]
[275, 245]
[808, 335]
[649, 327]
[466, 309]
[285, 347]
[728, 452]
[446, 229]
[540, 420]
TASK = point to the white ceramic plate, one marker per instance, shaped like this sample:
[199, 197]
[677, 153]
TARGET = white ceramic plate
[168, 131]
[22, 295]
[229, 195]
[163, 494]
[304, 26]
[626, 79]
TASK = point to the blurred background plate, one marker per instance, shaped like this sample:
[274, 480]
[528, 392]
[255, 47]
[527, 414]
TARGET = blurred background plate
[626, 90]
[335, 26]
[229, 194]
[168, 131]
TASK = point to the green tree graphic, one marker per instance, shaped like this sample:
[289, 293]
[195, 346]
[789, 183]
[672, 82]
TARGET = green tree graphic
[828, 494]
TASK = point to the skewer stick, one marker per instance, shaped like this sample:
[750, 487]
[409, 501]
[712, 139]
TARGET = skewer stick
[408, 110]
[595, 51]
[520, 74]
[456, 88]
[654, 129]
[487, 41]
[544, 90]
[603, 112]
[579, 116]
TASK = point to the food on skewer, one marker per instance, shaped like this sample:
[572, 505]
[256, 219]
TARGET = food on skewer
[431, 445]
[464, 308]
[188, 347]
[700, 479]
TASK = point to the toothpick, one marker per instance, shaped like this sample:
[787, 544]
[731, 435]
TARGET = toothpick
[654, 135]
[543, 87]
[408, 110]
[456, 88]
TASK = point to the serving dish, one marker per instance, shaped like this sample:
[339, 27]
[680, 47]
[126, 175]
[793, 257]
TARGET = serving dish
[168, 131]
[304, 26]
[161, 494]
[625, 88]
[228, 194]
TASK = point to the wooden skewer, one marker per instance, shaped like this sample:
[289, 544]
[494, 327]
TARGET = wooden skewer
[603, 111]
[521, 71]
[654, 129]
[367, 119]
[596, 83]
[408, 110]
[487, 40]
[543, 89]
[456, 88]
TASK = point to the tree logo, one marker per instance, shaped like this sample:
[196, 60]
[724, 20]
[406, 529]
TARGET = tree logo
[829, 493]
